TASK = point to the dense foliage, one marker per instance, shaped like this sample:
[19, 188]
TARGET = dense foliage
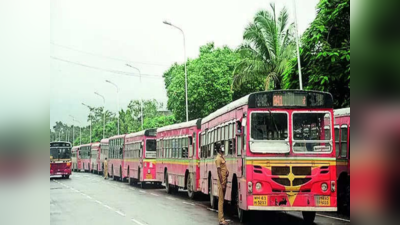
[209, 82]
[130, 121]
[266, 49]
[325, 53]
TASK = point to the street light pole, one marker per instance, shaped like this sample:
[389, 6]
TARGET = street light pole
[73, 129]
[104, 113]
[90, 138]
[117, 99]
[297, 43]
[141, 99]
[80, 132]
[184, 53]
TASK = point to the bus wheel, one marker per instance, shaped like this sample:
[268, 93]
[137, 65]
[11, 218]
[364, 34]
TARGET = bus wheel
[242, 214]
[66, 176]
[309, 217]
[121, 178]
[348, 199]
[112, 173]
[213, 199]
[189, 186]
[167, 186]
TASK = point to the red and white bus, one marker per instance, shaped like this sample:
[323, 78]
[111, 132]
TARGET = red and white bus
[83, 157]
[94, 157]
[103, 151]
[74, 158]
[115, 156]
[177, 158]
[60, 158]
[279, 151]
[342, 134]
[140, 157]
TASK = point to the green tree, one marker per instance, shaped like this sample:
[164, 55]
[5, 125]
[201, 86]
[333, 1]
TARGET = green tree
[325, 53]
[209, 82]
[267, 47]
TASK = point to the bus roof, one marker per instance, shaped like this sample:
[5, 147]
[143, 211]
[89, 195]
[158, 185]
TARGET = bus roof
[85, 145]
[96, 144]
[231, 106]
[148, 132]
[181, 125]
[342, 112]
[117, 136]
[104, 141]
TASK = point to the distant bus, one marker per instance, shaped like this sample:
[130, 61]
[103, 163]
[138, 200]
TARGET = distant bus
[139, 157]
[103, 154]
[94, 157]
[342, 134]
[177, 158]
[75, 152]
[279, 150]
[115, 157]
[84, 158]
[60, 158]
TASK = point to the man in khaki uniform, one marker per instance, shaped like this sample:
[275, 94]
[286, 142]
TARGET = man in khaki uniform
[223, 174]
[105, 170]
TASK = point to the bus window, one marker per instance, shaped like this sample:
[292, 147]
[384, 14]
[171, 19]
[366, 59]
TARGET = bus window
[344, 135]
[337, 141]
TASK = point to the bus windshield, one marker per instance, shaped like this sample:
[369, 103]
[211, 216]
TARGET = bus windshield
[151, 148]
[312, 132]
[60, 153]
[270, 127]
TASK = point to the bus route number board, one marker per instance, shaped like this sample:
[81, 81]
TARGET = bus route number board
[260, 200]
[323, 200]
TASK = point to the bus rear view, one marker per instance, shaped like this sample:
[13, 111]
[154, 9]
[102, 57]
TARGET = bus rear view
[60, 159]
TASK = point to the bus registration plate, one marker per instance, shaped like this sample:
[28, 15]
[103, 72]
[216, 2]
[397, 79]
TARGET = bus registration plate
[323, 200]
[260, 200]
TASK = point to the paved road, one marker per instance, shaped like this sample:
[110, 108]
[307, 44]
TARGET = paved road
[89, 199]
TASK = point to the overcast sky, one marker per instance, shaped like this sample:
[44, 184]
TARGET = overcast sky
[92, 37]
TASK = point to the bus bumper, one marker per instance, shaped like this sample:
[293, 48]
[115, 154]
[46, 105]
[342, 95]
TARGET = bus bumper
[60, 172]
[277, 208]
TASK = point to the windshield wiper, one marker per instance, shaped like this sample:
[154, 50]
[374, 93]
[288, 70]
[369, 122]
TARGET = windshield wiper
[273, 120]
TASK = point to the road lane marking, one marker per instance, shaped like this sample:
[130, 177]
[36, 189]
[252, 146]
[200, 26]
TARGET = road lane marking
[108, 207]
[137, 222]
[335, 218]
[213, 210]
[142, 191]
[154, 194]
[188, 203]
[120, 213]
[99, 202]
[170, 198]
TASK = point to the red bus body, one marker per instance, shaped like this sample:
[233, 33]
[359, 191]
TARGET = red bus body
[75, 153]
[342, 133]
[103, 153]
[140, 157]
[177, 156]
[60, 158]
[115, 156]
[267, 174]
[94, 157]
[83, 157]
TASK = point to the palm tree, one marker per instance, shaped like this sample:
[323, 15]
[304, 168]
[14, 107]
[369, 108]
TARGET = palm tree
[267, 47]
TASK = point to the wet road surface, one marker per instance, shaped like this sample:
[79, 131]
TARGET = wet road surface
[89, 199]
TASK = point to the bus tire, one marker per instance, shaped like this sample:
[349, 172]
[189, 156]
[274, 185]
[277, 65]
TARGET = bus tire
[348, 199]
[309, 217]
[121, 178]
[168, 187]
[189, 187]
[242, 215]
[213, 199]
[66, 176]
[112, 172]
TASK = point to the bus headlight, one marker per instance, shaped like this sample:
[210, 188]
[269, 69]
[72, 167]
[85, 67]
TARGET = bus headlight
[258, 186]
[68, 164]
[148, 171]
[324, 187]
[250, 187]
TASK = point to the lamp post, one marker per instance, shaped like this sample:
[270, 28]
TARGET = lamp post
[184, 52]
[104, 113]
[141, 99]
[90, 138]
[116, 86]
[297, 43]
[73, 129]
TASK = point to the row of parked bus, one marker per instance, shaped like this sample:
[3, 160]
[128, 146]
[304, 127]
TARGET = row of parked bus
[283, 150]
